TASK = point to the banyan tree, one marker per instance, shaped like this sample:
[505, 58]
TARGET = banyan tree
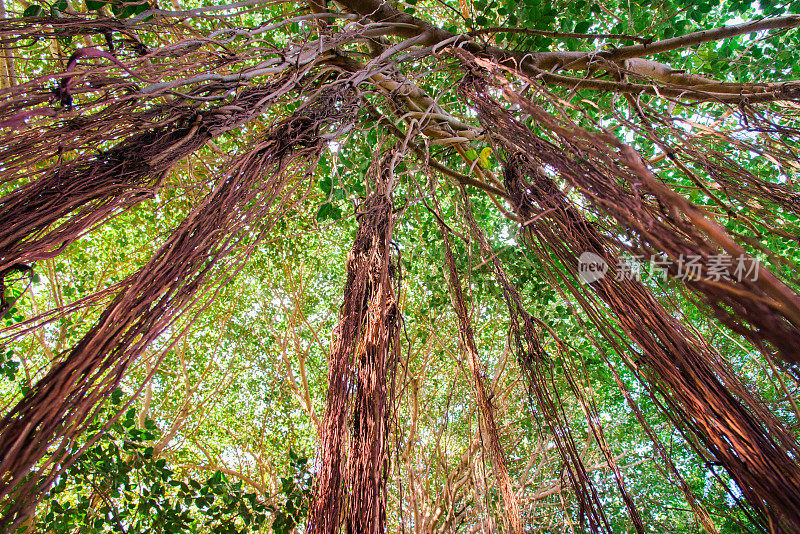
[421, 266]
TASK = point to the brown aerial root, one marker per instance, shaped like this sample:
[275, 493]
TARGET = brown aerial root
[363, 357]
[617, 184]
[753, 447]
[40, 219]
[37, 435]
[480, 389]
[536, 367]
[723, 421]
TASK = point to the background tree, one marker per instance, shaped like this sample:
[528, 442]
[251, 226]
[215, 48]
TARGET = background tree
[188, 188]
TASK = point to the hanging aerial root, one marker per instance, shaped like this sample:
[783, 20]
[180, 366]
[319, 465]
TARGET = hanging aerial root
[363, 357]
[732, 426]
[537, 369]
[702, 396]
[38, 434]
[617, 183]
[480, 389]
[40, 219]
[736, 190]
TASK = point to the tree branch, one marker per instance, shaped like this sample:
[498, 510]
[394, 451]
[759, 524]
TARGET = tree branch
[562, 35]
[704, 36]
[538, 64]
[698, 88]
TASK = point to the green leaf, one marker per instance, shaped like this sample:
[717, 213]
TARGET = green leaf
[128, 8]
[583, 26]
[328, 211]
[34, 10]
[325, 184]
[483, 159]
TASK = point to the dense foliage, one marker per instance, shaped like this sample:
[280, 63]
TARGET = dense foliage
[207, 411]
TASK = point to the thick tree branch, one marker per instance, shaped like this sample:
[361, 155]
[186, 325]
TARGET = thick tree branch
[539, 64]
[425, 158]
[705, 36]
[581, 60]
[560, 35]
[698, 89]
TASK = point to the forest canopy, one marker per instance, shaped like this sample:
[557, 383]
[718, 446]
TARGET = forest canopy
[423, 266]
